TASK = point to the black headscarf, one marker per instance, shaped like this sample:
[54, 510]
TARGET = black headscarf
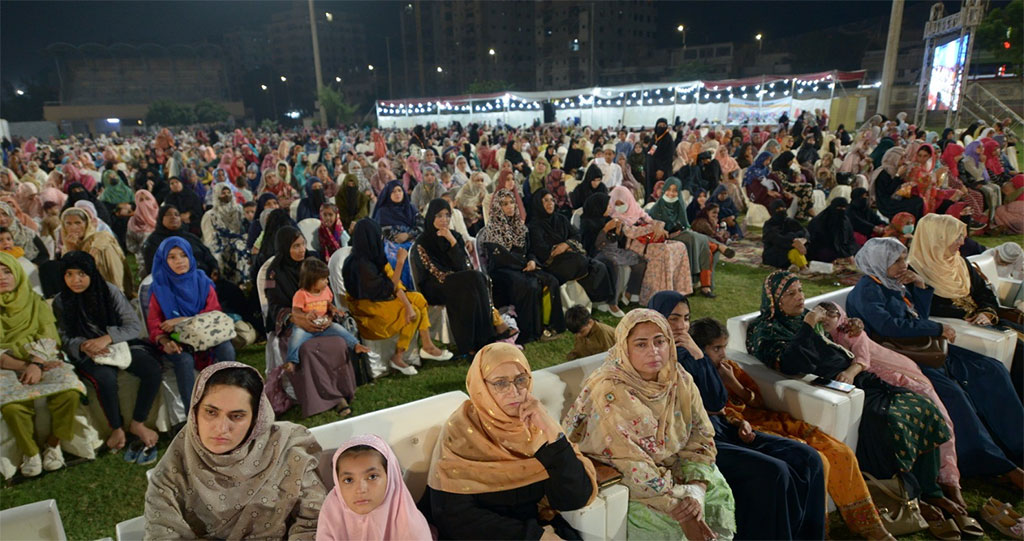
[437, 247]
[831, 229]
[781, 163]
[862, 218]
[75, 195]
[593, 220]
[89, 313]
[204, 257]
[710, 172]
[363, 271]
[309, 206]
[585, 189]
[741, 154]
[257, 227]
[284, 270]
[547, 230]
[187, 200]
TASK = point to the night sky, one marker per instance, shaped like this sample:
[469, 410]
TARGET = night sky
[27, 27]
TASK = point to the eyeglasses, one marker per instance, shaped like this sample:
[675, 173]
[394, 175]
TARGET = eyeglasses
[521, 382]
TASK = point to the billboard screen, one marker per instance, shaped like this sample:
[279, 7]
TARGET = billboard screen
[943, 90]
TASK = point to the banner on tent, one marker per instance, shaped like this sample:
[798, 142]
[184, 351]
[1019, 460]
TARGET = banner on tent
[758, 112]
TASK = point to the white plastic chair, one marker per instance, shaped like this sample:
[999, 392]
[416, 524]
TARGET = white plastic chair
[1005, 289]
[133, 529]
[38, 520]
[309, 227]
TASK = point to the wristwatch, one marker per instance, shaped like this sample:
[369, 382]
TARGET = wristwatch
[39, 364]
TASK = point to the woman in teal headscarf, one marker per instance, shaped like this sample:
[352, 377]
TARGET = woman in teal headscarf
[115, 188]
[670, 209]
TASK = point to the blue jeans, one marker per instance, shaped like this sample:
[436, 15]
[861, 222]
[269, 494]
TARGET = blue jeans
[300, 335]
[185, 368]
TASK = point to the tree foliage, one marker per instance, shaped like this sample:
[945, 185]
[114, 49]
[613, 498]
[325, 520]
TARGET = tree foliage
[170, 113]
[338, 110]
[1004, 25]
[209, 111]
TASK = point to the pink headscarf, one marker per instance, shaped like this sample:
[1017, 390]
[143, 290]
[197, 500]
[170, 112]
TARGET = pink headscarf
[144, 219]
[53, 194]
[28, 198]
[727, 162]
[396, 518]
[633, 213]
[992, 163]
[72, 175]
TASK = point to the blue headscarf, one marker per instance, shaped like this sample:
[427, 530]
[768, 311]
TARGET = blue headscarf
[179, 295]
[387, 212]
[705, 375]
[726, 207]
[757, 171]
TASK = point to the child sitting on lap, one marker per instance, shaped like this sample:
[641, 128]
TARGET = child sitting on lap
[314, 301]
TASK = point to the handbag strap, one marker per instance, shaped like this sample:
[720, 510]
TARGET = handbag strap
[881, 486]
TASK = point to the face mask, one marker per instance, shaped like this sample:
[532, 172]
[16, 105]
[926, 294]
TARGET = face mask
[621, 209]
[671, 199]
[908, 229]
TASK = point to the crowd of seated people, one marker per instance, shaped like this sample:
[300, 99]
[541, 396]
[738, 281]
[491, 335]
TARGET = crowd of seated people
[229, 231]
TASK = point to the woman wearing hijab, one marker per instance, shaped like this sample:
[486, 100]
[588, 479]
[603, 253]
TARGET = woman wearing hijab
[900, 431]
[667, 458]
[188, 203]
[668, 266]
[469, 199]
[604, 240]
[309, 206]
[168, 224]
[428, 189]
[831, 234]
[31, 368]
[974, 172]
[761, 188]
[1010, 215]
[181, 290]
[555, 243]
[537, 179]
[505, 181]
[670, 210]
[266, 203]
[142, 223]
[78, 232]
[24, 238]
[893, 301]
[784, 239]
[446, 278]
[353, 204]
[779, 485]
[515, 273]
[381, 176]
[555, 184]
[331, 235]
[232, 472]
[887, 180]
[792, 185]
[115, 188]
[863, 219]
[592, 183]
[500, 454]
[400, 222]
[378, 300]
[369, 504]
[78, 192]
[92, 316]
[412, 175]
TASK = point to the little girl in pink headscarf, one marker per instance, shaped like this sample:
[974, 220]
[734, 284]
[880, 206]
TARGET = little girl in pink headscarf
[369, 499]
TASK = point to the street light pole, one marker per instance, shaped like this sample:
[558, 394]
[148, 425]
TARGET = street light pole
[316, 64]
[682, 28]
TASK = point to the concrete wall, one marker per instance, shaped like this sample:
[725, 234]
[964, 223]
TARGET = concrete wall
[41, 129]
[125, 112]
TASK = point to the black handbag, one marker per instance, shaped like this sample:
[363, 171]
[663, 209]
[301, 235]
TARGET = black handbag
[930, 351]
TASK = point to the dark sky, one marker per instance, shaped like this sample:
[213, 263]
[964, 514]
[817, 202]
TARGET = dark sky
[28, 26]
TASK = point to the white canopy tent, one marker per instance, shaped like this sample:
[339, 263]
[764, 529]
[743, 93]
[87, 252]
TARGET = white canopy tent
[756, 100]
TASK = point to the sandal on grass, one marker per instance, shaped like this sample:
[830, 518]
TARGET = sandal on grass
[1001, 517]
[969, 528]
[941, 528]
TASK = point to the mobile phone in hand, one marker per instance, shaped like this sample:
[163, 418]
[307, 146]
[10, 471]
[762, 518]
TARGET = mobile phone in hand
[834, 385]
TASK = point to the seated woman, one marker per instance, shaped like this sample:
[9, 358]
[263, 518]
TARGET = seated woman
[515, 274]
[667, 456]
[500, 454]
[400, 223]
[331, 235]
[266, 204]
[592, 183]
[863, 218]
[793, 184]
[77, 232]
[30, 368]
[92, 316]
[24, 238]
[668, 267]
[555, 184]
[727, 208]
[309, 205]
[887, 180]
[369, 501]
[670, 210]
[233, 472]
[446, 278]
[352, 203]
[746, 407]
[761, 188]
[975, 389]
[785, 240]
[169, 224]
[779, 485]
[379, 302]
[181, 290]
[428, 189]
[603, 240]
[1010, 215]
[322, 382]
[831, 234]
[707, 223]
[141, 224]
[189, 204]
[469, 201]
[556, 245]
[904, 429]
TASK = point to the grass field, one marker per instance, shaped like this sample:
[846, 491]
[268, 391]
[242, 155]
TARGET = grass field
[94, 496]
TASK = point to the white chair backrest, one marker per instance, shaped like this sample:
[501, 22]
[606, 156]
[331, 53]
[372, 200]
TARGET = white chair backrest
[144, 296]
[558, 386]
[577, 217]
[37, 520]
[412, 268]
[410, 429]
[737, 326]
[133, 529]
[987, 263]
[335, 278]
[261, 282]
[309, 227]
[293, 209]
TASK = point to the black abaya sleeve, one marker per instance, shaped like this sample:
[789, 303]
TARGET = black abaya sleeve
[43, 254]
[540, 246]
[568, 487]
[792, 357]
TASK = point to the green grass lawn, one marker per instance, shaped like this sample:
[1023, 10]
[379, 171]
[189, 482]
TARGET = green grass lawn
[94, 496]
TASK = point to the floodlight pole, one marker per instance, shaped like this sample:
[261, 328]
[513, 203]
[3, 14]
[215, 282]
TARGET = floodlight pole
[316, 67]
[892, 46]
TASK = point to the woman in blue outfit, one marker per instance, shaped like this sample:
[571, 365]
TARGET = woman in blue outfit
[401, 224]
[778, 483]
[893, 301]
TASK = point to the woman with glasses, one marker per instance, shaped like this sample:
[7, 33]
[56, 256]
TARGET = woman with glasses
[500, 454]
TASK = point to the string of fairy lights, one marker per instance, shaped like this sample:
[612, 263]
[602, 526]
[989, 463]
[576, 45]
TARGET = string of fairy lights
[698, 92]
